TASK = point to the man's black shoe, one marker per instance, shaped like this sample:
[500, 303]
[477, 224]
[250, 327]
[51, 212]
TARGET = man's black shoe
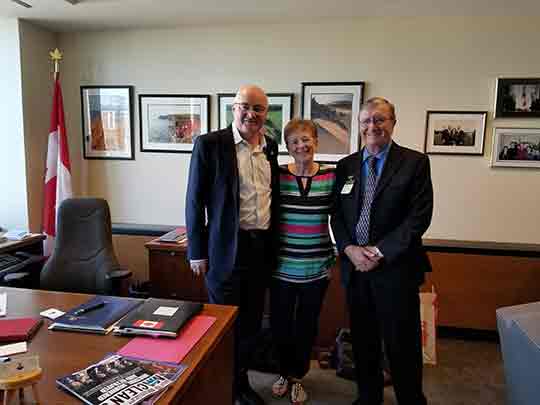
[247, 396]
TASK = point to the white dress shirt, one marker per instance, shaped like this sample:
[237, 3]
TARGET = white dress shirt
[255, 178]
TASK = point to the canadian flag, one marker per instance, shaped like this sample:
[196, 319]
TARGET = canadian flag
[58, 170]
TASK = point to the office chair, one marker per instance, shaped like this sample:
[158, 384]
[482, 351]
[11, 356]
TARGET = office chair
[83, 259]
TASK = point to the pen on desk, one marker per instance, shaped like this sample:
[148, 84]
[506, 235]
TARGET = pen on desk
[90, 308]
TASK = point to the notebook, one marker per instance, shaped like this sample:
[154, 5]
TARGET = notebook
[18, 329]
[158, 317]
[96, 315]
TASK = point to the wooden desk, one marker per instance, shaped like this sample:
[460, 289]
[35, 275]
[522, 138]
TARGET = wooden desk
[32, 244]
[170, 274]
[208, 379]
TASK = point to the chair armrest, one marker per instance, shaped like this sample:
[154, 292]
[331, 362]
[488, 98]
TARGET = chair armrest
[117, 275]
[16, 277]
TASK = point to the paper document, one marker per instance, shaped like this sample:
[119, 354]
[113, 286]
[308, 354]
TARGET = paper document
[3, 304]
[52, 313]
[14, 348]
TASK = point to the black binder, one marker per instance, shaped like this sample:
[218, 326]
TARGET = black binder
[158, 317]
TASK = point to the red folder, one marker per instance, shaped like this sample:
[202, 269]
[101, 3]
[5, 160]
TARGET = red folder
[169, 350]
[18, 329]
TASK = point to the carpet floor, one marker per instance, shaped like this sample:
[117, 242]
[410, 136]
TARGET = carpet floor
[467, 373]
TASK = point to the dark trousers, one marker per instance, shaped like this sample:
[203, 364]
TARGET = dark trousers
[246, 289]
[389, 311]
[294, 316]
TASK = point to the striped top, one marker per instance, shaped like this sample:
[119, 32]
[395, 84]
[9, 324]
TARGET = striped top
[306, 252]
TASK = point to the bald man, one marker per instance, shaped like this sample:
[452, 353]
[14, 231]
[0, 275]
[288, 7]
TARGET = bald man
[233, 177]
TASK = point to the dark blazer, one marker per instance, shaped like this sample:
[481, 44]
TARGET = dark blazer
[212, 202]
[400, 213]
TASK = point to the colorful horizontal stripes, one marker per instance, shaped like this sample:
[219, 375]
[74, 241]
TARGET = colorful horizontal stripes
[306, 251]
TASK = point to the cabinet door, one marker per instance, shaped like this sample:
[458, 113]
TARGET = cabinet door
[172, 278]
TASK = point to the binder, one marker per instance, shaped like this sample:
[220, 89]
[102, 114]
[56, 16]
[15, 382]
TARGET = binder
[18, 329]
[97, 320]
[158, 317]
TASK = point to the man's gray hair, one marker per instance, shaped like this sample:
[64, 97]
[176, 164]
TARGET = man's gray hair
[375, 102]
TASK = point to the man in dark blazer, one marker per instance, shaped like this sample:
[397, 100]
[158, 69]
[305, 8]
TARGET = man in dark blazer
[384, 204]
[230, 218]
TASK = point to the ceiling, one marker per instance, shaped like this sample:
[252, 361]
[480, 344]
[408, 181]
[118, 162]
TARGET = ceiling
[61, 16]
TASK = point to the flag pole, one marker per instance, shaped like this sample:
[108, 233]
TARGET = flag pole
[57, 186]
[56, 56]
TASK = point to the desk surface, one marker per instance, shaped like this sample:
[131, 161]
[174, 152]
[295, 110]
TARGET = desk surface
[62, 353]
[13, 245]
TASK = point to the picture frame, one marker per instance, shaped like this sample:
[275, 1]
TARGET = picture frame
[170, 123]
[516, 147]
[455, 132]
[334, 107]
[280, 112]
[517, 98]
[107, 122]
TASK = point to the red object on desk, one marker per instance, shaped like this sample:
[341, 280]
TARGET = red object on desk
[169, 350]
[18, 329]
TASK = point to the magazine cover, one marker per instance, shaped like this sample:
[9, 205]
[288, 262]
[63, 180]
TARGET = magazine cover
[118, 380]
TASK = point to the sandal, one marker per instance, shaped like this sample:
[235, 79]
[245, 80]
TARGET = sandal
[280, 387]
[298, 394]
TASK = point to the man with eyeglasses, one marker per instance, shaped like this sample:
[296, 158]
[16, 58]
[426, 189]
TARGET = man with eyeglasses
[233, 177]
[384, 204]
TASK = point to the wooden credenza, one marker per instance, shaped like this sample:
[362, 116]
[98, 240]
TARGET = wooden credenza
[472, 280]
[170, 274]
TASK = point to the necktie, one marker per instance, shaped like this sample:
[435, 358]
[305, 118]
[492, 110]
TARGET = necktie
[362, 227]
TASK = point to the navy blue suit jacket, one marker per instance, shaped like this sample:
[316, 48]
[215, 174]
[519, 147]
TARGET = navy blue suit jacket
[400, 214]
[212, 202]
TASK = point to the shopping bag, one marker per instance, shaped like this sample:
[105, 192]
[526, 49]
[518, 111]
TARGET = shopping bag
[428, 319]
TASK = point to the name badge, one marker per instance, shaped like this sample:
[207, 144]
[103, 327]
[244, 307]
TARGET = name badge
[347, 187]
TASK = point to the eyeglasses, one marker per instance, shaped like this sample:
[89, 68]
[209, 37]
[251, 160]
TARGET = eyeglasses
[377, 121]
[257, 108]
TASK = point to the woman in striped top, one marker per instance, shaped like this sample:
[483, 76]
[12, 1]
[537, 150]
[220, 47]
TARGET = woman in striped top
[306, 255]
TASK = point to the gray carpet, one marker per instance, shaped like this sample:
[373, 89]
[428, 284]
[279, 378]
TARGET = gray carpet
[467, 373]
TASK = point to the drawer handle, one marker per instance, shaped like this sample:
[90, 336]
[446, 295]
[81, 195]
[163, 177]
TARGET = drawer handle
[173, 253]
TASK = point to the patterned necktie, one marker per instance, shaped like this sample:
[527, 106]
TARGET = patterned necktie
[362, 227]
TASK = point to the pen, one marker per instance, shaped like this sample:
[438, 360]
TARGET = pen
[90, 308]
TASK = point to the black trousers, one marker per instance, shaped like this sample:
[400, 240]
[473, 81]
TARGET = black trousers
[246, 289]
[294, 316]
[386, 309]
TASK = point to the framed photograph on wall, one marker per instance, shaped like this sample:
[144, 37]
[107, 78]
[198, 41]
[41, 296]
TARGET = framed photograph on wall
[455, 132]
[334, 107]
[107, 122]
[516, 147]
[517, 98]
[172, 122]
[280, 112]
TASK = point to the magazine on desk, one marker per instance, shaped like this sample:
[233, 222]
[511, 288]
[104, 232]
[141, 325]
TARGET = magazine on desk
[121, 380]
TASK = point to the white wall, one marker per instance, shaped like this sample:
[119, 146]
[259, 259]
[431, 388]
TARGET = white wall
[418, 63]
[37, 91]
[13, 206]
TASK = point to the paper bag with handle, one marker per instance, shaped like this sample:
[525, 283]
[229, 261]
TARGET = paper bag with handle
[428, 318]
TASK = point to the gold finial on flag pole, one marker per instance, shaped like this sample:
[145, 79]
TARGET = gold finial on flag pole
[56, 57]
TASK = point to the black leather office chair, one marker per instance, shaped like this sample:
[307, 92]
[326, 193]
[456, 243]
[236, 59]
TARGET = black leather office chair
[83, 259]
